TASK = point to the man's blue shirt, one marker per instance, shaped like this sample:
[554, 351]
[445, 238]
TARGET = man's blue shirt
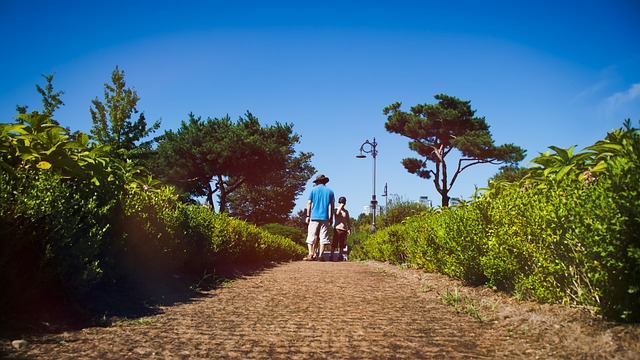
[321, 196]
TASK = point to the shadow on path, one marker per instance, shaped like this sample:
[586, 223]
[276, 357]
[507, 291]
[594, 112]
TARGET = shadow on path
[338, 310]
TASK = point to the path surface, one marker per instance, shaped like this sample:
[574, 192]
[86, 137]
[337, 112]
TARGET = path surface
[339, 310]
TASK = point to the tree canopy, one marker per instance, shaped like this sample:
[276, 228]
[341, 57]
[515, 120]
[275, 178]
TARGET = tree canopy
[218, 156]
[436, 129]
[273, 200]
[112, 119]
[50, 100]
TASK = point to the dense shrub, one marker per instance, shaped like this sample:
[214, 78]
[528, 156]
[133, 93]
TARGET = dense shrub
[569, 233]
[203, 234]
[146, 240]
[74, 218]
[400, 209]
[289, 232]
[389, 245]
[161, 236]
[65, 236]
[53, 230]
[610, 234]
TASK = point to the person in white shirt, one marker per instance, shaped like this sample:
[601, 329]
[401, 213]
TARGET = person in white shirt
[341, 229]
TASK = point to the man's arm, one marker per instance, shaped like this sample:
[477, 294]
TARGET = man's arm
[333, 209]
[308, 218]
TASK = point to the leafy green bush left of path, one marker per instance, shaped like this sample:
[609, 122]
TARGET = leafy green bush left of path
[63, 238]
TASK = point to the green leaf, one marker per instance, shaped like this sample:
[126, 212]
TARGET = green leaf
[12, 128]
[83, 139]
[43, 165]
[563, 170]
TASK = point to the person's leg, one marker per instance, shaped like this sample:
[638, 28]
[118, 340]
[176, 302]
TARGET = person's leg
[317, 242]
[310, 254]
[314, 248]
[342, 237]
[320, 256]
[311, 237]
[332, 247]
[324, 237]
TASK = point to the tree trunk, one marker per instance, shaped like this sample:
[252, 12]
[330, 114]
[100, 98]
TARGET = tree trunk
[445, 200]
[209, 200]
[223, 195]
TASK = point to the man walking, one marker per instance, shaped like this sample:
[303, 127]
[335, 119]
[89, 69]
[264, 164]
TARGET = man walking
[320, 209]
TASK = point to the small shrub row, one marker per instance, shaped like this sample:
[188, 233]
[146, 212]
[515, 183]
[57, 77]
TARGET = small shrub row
[557, 240]
[67, 236]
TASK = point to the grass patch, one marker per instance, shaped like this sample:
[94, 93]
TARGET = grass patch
[135, 322]
[426, 287]
[465, 304]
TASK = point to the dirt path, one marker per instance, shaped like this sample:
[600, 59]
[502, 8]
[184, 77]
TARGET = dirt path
[346, 310]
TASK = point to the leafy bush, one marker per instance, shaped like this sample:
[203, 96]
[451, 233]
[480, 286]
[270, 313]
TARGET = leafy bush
[72, 218]
[386, 245]
[146, 241]
[355, 241]
[289, 232]
[53, 230]
[611, 232]
[400, 209]
[204, 235]
[161, 236]
[279, 248]
[568, 232]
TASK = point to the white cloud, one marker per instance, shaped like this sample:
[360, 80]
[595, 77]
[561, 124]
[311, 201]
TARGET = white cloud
[607, 76]
[624, 97]
[590, 91]
[623, 102]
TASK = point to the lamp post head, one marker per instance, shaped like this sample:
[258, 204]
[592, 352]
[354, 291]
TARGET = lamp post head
[371, 150]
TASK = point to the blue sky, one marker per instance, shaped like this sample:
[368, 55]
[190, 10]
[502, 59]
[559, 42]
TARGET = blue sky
[542, 73]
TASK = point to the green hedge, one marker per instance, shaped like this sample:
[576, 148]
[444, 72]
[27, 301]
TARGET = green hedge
[52, 232]
[160, 236]
[64, 236]
[562, 241]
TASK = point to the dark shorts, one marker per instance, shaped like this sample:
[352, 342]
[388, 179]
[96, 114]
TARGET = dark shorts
[339, 238]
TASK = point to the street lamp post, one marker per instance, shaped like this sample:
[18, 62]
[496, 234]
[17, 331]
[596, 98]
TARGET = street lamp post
[371, 150]
[386, 206]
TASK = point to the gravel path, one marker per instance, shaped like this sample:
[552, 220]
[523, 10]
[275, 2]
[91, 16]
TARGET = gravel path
[344, 310]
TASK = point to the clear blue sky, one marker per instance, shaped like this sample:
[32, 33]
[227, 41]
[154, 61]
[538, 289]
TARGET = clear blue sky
[542, 73]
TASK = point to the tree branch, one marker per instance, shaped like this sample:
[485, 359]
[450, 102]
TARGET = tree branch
[236, 185]
[476, 161]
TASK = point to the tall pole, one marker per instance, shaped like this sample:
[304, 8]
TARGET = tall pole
[374, 201]
[371, 150]
[386, 206]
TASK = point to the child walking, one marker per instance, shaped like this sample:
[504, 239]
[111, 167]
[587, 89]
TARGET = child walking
[341, 229]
